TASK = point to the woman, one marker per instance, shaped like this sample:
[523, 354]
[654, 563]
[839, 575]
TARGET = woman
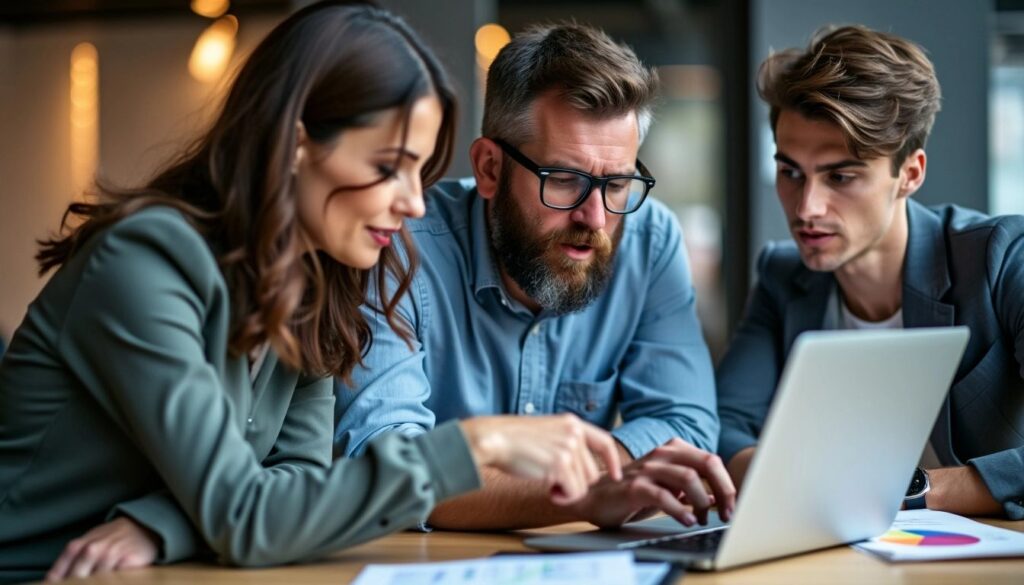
[152, 399]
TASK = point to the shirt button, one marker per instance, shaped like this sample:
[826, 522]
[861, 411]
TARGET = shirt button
[504, 303]
[528, 408]
[249, 420]
[535, 330]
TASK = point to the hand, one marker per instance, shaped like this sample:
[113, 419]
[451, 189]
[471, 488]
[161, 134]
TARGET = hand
[118, 544]
[669, 479]
[739, 465]
[960, 490]
[558, 449]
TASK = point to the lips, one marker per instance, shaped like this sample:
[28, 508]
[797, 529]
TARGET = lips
[814, 238]
[577, 251]
[382, 236]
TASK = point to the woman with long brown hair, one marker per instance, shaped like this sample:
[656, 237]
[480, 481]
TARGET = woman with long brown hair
[169, 394]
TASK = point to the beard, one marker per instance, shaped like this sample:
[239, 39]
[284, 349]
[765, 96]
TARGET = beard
[536, 261]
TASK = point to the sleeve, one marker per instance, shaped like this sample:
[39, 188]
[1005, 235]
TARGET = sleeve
[141, 297]
[1003, 471]
[749, 371]
[390, 389]
[666, 380]
[304, 440]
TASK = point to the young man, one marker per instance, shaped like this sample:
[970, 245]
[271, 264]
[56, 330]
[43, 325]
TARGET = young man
[851, 115]
[551, 284]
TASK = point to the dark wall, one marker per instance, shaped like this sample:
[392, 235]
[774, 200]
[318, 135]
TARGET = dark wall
[956, 35]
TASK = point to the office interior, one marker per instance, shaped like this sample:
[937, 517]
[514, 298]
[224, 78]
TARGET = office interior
[107, 88]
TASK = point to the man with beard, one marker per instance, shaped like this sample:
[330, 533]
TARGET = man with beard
[851, 115]
[551, 283]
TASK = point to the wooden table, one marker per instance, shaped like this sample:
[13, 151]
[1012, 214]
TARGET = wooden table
[839, 565]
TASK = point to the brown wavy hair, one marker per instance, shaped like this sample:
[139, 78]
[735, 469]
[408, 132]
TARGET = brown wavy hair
[332, 65]
[879, 88]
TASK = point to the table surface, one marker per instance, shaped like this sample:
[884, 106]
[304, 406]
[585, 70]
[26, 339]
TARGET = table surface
[836, 565]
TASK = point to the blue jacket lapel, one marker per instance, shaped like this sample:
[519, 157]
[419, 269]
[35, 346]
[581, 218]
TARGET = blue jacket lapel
[925, 282]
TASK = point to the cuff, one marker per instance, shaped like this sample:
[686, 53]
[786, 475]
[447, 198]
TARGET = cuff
[161, 514]
[732, 442]
[1003, 474]
[449, 460]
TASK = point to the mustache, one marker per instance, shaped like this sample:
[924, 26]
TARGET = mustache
[580, 236]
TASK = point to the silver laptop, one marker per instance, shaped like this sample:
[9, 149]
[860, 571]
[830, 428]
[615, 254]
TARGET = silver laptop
[851, 415]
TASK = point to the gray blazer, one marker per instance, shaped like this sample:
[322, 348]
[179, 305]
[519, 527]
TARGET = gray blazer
[961, 268]
[118, 396]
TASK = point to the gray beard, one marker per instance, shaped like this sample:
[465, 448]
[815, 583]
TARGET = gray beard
[522, 256]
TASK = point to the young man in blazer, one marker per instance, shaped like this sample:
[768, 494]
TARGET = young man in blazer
[851, 115]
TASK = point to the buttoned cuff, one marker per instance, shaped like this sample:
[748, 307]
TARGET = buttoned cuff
[451, 464]
[642, 436]
[732, 441]
[1003, 474]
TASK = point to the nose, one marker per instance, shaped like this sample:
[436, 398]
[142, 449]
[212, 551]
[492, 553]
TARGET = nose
[813, 201]
[592, 212]
[409, 200]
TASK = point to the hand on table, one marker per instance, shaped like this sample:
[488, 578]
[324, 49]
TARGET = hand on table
[118, 544]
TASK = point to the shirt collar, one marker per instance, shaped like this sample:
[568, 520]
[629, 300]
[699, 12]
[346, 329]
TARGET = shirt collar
[485, 266]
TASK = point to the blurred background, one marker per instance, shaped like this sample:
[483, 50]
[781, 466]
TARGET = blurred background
[109, 87]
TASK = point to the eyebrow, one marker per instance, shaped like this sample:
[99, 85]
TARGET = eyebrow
[566, 165]
[400, 151]
[849, 162]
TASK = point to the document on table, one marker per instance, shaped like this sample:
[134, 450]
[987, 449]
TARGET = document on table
[602, 568]
[927, 535]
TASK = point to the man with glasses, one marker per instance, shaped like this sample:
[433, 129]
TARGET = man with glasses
[552, 283]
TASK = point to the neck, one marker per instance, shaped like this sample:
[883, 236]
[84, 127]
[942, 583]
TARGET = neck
[872, 283]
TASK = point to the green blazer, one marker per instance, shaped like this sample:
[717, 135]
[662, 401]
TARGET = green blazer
[118, 397]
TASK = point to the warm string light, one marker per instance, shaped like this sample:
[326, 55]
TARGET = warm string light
[84, 115]
[213, 50]
[210, 8]
[489, 39]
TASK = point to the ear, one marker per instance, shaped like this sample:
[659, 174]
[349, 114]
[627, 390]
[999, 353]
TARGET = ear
[912, 173]
[302, 146]
[485, 156]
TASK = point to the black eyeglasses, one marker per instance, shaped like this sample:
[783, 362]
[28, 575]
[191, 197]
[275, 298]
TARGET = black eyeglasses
[568, 188]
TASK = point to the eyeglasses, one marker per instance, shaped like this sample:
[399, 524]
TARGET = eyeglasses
[562, 188]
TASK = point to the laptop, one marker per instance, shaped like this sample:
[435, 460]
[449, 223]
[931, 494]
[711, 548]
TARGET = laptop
[849, 421]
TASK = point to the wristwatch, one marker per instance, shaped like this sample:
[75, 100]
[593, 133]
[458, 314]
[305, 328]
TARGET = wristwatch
[919, 486]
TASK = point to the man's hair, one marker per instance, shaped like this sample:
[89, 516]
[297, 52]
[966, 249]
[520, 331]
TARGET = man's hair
[593, 73]
[879, 88]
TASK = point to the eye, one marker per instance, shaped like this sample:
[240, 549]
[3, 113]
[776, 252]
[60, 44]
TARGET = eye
[386, 171]
[790, 173]
[841, 179]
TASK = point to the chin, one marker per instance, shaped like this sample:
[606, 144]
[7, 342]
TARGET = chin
[360, 261]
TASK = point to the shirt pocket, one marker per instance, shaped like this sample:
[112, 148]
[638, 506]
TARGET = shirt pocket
[593, 402]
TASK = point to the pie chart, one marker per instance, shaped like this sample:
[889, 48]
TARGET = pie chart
[927, 538]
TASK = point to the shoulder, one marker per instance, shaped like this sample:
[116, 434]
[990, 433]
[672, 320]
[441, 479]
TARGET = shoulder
[970, 231]
[447, 207]
[654, 220]
[779, 261]
[154, 243]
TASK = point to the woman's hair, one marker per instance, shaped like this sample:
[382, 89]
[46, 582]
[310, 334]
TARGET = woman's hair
[594, 74]
[880, 89]
[332, 66]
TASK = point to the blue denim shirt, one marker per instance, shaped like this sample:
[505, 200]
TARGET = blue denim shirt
[636, 350]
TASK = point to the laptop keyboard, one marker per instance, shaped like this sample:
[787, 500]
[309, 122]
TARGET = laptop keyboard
[700, 542]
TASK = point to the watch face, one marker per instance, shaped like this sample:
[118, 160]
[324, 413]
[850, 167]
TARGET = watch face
[917, 484]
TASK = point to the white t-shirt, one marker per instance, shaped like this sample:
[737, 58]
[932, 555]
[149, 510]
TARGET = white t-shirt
[847, 320]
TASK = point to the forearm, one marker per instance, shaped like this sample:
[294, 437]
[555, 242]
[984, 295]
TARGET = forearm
[506, 503]
[960, 490]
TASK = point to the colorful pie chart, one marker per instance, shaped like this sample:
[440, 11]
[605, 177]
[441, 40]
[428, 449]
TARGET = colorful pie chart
[927, 538]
